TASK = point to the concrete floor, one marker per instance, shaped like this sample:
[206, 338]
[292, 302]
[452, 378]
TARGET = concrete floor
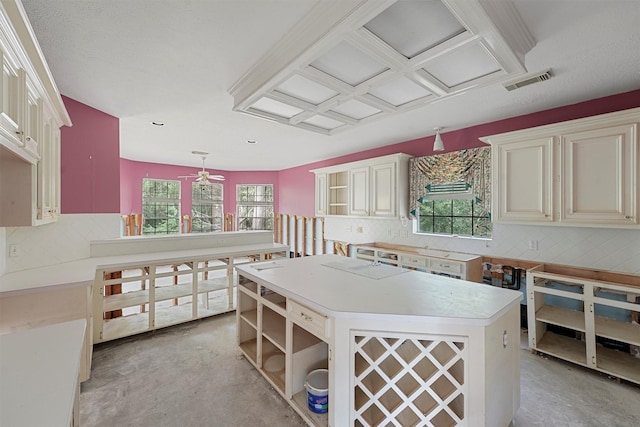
[194, 375]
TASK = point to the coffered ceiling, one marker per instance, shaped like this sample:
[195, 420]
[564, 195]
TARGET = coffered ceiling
[341, 67]
[330, 77]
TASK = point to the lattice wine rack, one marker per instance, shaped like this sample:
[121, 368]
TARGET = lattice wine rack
[407, 380]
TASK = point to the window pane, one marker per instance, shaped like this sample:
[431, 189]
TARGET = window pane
[255, 206]
[462, 208]
[462, 226]
[482, 227]
[160, 206]
[426, 224]
[442, 207]
[426, 208]
[442, 225]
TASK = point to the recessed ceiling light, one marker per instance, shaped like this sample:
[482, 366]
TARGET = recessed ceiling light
[157, 123]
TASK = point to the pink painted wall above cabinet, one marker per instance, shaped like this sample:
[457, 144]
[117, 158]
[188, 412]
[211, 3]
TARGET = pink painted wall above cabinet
[90, 166]
[297, 185]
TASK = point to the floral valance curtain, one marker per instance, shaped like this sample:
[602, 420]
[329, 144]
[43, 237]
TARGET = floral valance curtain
[473, 166]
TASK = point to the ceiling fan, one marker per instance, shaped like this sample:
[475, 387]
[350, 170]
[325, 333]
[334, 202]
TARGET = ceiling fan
[203, 176]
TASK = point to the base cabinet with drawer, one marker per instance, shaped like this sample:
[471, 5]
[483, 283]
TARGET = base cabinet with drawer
[451, 264]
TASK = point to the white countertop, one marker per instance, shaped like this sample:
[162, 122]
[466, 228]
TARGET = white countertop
[82, 272]
[336, 292]
[39, 374]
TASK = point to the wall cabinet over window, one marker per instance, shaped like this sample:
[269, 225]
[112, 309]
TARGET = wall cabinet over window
[578, 173]
[376, 187]
[31, 114]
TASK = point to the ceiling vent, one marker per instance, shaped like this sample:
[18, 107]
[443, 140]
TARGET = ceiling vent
[527, 80]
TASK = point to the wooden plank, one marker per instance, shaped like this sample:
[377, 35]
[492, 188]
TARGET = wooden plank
[569, 349]
[562, 317]
[617, 330]
[619, 364]
[585, 273]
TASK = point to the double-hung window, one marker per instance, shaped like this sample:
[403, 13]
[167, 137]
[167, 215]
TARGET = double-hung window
[160, 206]
[206, 207]
[254, 206]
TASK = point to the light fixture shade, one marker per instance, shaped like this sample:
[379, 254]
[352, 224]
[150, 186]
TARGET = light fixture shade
[438, 145]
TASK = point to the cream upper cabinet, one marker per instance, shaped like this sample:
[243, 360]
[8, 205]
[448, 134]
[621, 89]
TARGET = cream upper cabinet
[48, 173]
[321, 194]
[383, 181]
[359, 191]
[31, 114]
[523, 180]
[578, 173]
[599, 175]
[376, 187]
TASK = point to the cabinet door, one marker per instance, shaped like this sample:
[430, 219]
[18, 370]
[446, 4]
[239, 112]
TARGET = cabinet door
[383, 190]
[599, 175]
[48, 173]
[321, 194]
[523, 181]
[359, 191]
[11, 93]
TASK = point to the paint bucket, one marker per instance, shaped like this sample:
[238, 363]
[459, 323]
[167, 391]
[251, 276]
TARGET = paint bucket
[317, 386]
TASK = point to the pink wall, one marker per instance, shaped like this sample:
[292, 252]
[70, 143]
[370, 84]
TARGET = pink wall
[96, 180]
[90, 167]
[297, 184]
[132, 173]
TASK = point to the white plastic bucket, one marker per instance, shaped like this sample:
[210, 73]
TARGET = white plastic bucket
[317, 386]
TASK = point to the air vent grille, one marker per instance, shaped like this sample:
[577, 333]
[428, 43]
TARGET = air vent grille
[527, 80]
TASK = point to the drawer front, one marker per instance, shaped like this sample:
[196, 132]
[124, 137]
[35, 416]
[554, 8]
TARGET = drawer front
[449, 267]
[413, 260]
[307, 318]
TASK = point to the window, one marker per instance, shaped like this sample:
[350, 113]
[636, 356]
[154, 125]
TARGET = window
[160, 206]
[206, 207]
[462, 217]
[450, 194]
[255, 206]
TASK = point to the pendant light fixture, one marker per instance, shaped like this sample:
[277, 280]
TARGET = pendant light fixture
[438, 145]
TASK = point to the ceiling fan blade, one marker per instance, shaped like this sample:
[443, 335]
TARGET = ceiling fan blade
[217, 177]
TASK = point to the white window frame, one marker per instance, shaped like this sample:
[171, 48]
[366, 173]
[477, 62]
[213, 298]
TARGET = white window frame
[215, 204]
[160, 200]
[260, 207]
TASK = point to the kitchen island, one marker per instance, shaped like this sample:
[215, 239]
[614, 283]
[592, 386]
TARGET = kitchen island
[402, 347]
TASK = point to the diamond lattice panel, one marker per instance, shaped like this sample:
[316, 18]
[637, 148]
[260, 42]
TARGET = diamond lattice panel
[408, 380]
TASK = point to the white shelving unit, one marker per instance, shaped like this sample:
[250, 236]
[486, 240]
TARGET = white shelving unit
[272, 339]
[132, 298]
[547, 305]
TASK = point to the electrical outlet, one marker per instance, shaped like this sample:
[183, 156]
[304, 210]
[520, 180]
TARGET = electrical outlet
[14, 251]
[360, 230]
[533, 245]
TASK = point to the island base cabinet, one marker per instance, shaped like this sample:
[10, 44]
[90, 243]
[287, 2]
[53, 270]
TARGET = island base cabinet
[398, 374]
[385, 369]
